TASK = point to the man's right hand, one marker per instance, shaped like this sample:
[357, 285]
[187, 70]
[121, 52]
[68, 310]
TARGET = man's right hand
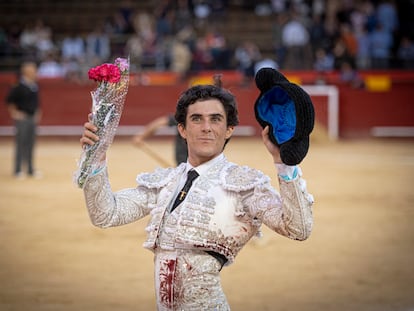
[89, 137]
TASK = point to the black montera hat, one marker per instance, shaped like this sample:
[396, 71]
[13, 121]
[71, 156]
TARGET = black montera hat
[288, 111]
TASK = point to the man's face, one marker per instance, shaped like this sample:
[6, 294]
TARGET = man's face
[29, 71]
[206, 130]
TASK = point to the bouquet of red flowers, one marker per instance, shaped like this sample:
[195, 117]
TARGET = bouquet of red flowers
[107, 105]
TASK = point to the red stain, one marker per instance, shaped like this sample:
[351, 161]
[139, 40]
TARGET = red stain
[167, 282]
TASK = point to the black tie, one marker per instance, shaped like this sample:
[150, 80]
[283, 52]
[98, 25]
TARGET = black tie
[191, 175]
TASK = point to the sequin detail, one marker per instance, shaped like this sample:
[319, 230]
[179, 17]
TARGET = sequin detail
[222, 211]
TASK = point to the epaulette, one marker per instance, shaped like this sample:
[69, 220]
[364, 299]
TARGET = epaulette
[160, 177]
[241, 178]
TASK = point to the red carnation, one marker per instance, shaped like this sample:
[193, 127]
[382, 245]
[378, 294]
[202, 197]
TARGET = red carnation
[105, 72]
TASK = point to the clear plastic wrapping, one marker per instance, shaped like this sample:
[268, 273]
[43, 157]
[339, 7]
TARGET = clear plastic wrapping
[107, 105]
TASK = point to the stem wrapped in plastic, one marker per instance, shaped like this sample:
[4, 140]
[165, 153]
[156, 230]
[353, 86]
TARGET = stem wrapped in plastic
[107, 106]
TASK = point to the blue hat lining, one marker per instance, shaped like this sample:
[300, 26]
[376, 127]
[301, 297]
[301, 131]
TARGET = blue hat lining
[277, 109]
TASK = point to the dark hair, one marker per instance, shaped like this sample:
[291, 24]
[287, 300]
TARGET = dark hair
[205, 92]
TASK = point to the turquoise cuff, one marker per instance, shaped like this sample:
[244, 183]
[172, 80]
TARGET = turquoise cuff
[287, 172]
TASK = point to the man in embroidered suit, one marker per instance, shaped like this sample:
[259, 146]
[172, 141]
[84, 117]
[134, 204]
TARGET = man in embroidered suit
[216, 217]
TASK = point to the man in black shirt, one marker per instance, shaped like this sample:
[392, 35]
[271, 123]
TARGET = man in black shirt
[23, 106]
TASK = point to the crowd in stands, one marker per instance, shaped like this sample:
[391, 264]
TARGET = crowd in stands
[187, 36]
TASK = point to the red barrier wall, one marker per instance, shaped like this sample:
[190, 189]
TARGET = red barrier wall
[67, 103]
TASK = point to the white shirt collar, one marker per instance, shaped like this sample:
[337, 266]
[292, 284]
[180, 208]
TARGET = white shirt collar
[203, 168]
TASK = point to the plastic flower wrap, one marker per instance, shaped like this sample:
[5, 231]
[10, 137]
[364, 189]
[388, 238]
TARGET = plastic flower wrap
[107, 105]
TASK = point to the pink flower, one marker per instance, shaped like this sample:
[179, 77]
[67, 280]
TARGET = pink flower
[122, 64]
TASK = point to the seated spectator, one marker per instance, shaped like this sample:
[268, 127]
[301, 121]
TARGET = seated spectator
[246, 55]
[183, 14]
[28, 40]
[134, 48]
[72, 70]
[349, 75]
[73, 47]
[50, 67]
[202, 11]
[98, 49]
[324, 61]
[181, 56]
[44, 42]
[218, 10]
[405, 52]
[144, 27]
[363, 58]
[381, 43]
[202, 58]
[219, 50]
[296, 40]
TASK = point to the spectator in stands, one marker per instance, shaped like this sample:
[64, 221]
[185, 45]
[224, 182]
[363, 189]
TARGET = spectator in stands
[246, 56]
[319, 38]
[217, 44]
[263, 8]
[134, 48]
[73, 47]
[218, 10]
[350, 76]
[44, 40]
[202, 58]
[73, 70]
[405, 52]
[50, 67]
[116, 24]
[381, 43]
[386, 15]
[324, 61]
[278, 6]
[124, 16]
[164, 19]
[28, 40]
[73, 55]
[183, 14]
[202, 13]
[24, 108]
[180, 54]
[296, 40]
[348, 38]
[144, 26]
[98, 49]
[362, 57]
[280, 50]
[341, 54]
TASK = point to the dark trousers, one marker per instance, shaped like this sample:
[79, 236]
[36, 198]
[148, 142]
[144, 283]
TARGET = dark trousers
[25, 140]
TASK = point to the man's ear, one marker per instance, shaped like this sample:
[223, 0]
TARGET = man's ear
[181, 130]
[229, 132]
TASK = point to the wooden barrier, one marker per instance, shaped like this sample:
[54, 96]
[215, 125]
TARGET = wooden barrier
[360, 111]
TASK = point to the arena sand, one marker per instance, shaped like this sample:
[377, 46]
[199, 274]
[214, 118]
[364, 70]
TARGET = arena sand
[360, 255]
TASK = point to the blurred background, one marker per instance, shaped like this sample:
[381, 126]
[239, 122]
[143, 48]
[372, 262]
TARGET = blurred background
[356, 56]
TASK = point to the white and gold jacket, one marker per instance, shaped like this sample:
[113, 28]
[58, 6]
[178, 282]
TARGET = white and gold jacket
[224, 208]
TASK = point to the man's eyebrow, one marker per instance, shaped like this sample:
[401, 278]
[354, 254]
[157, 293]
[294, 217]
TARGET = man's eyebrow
[210, 115]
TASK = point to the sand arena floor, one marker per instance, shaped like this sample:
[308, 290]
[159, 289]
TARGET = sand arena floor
[360, 255]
